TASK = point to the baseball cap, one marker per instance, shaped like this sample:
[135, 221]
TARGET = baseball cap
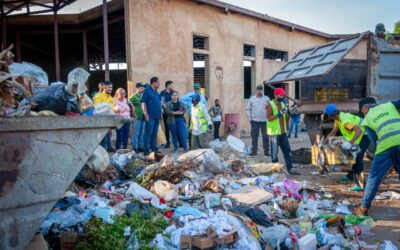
[366, 100]
[197, 85]
[279, 91]
[260, 87]
[330, 109]
[139, 84]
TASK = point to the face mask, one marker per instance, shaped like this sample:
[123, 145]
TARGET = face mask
[280, 99]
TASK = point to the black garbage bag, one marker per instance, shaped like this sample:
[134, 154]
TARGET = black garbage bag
[55, 99]
[258, 217]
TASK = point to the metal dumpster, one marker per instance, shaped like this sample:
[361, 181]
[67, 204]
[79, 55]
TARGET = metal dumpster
[39, 158]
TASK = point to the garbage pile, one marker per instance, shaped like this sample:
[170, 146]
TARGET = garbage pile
[25, 90]
[215, 198]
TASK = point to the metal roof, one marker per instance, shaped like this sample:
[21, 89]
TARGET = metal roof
[316, 61]
[31, 7]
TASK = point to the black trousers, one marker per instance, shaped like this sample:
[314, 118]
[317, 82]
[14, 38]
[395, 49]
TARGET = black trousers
[167, 132]
[255, 131]
[216, 130]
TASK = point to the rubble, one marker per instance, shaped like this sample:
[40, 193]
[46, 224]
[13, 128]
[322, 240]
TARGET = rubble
[195, 206]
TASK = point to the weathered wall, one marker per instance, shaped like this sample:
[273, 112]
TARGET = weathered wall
[159, 34]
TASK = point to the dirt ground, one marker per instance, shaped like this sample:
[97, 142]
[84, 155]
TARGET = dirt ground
[386, 212]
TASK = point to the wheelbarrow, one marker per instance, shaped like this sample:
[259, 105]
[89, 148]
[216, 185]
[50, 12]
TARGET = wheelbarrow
[39, 158]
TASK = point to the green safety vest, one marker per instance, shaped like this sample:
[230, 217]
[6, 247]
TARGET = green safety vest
[274, 126]
[384, 119]
[346, 118]
[203, 120]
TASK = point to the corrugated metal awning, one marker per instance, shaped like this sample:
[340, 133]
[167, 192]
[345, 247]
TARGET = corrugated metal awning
[316, 61]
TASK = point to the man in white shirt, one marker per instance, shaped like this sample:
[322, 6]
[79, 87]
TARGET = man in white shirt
[257, 116]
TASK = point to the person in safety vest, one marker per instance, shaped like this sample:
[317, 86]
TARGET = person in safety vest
[200, 123]
[382, 123]
[350, 127]
[277, 127]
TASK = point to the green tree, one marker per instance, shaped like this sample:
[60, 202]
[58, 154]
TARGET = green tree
[397, 28]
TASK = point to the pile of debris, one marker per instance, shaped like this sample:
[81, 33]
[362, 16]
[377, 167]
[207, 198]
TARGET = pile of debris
[214, 198]
[25, 90]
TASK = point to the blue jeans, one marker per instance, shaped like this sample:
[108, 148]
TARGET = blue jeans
[294, 122]
[137, 134]
[178, 130]
[122, 136]
[106, 142]
[281, 141]
[381, 164]
[150, 135]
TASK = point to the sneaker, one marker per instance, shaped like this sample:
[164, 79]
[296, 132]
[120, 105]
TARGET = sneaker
[361, 211]
[253, 154]
[293, 172]
[356, 188]
[165, 146]
[111, 150]
[267, 154]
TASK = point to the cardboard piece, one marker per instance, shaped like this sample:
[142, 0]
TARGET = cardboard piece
[68, 240]
[250, 195]
[37, 243]
[209, 240]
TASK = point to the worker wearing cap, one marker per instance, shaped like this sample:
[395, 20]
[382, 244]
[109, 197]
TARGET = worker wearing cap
[350, 127]
[257, 116]
[277, 127]
[382, 123]
[187, 101]
[200, 123]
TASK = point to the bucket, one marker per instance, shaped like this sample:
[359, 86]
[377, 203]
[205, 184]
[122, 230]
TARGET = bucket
[232, 125]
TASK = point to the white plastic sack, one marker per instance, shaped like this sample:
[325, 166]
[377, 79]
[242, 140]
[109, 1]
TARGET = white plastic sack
[143, 194]
[99, 160]
[121, 160]
[236, 144]
[105, 213]
[165, 190]
[103, 109]
[274, 235]
[25, 69]
[78, 76]
[247, 240]
[207, 157]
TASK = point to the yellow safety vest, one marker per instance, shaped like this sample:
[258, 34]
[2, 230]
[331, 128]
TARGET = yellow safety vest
[274, 126]
[384, 119]
[346, 118]
[203, 120]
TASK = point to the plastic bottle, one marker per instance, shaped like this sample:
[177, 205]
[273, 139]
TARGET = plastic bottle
[308, 242]
[305, 225]
[305, 196]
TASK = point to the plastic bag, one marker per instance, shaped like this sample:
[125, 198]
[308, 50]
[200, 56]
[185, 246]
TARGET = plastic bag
[56, 99]
[274, 235]
[99, 160]
[143, 194]
[207, 157]
[103, 109]
[184, 211]
[212, 200]
[78, 76]
[292, 188]
[215, 144]
[266, 168]
[247, 239]
[236, 144]
[105, 213]
[165, 190]
[161, 140]
[30, 70]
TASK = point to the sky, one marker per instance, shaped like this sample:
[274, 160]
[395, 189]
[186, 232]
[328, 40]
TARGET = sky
[330, 16]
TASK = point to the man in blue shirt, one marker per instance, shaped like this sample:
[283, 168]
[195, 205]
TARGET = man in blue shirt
[166, 97]
[151, 105]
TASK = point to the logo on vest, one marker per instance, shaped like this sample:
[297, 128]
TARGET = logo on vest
[381, 115]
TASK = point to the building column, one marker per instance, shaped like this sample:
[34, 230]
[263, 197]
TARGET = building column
[105, 34]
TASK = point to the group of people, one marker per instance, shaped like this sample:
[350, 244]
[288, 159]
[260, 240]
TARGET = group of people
[148, 108]
[378, 125]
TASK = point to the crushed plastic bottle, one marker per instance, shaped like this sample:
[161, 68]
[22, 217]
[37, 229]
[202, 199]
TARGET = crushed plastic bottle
[362, 230]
